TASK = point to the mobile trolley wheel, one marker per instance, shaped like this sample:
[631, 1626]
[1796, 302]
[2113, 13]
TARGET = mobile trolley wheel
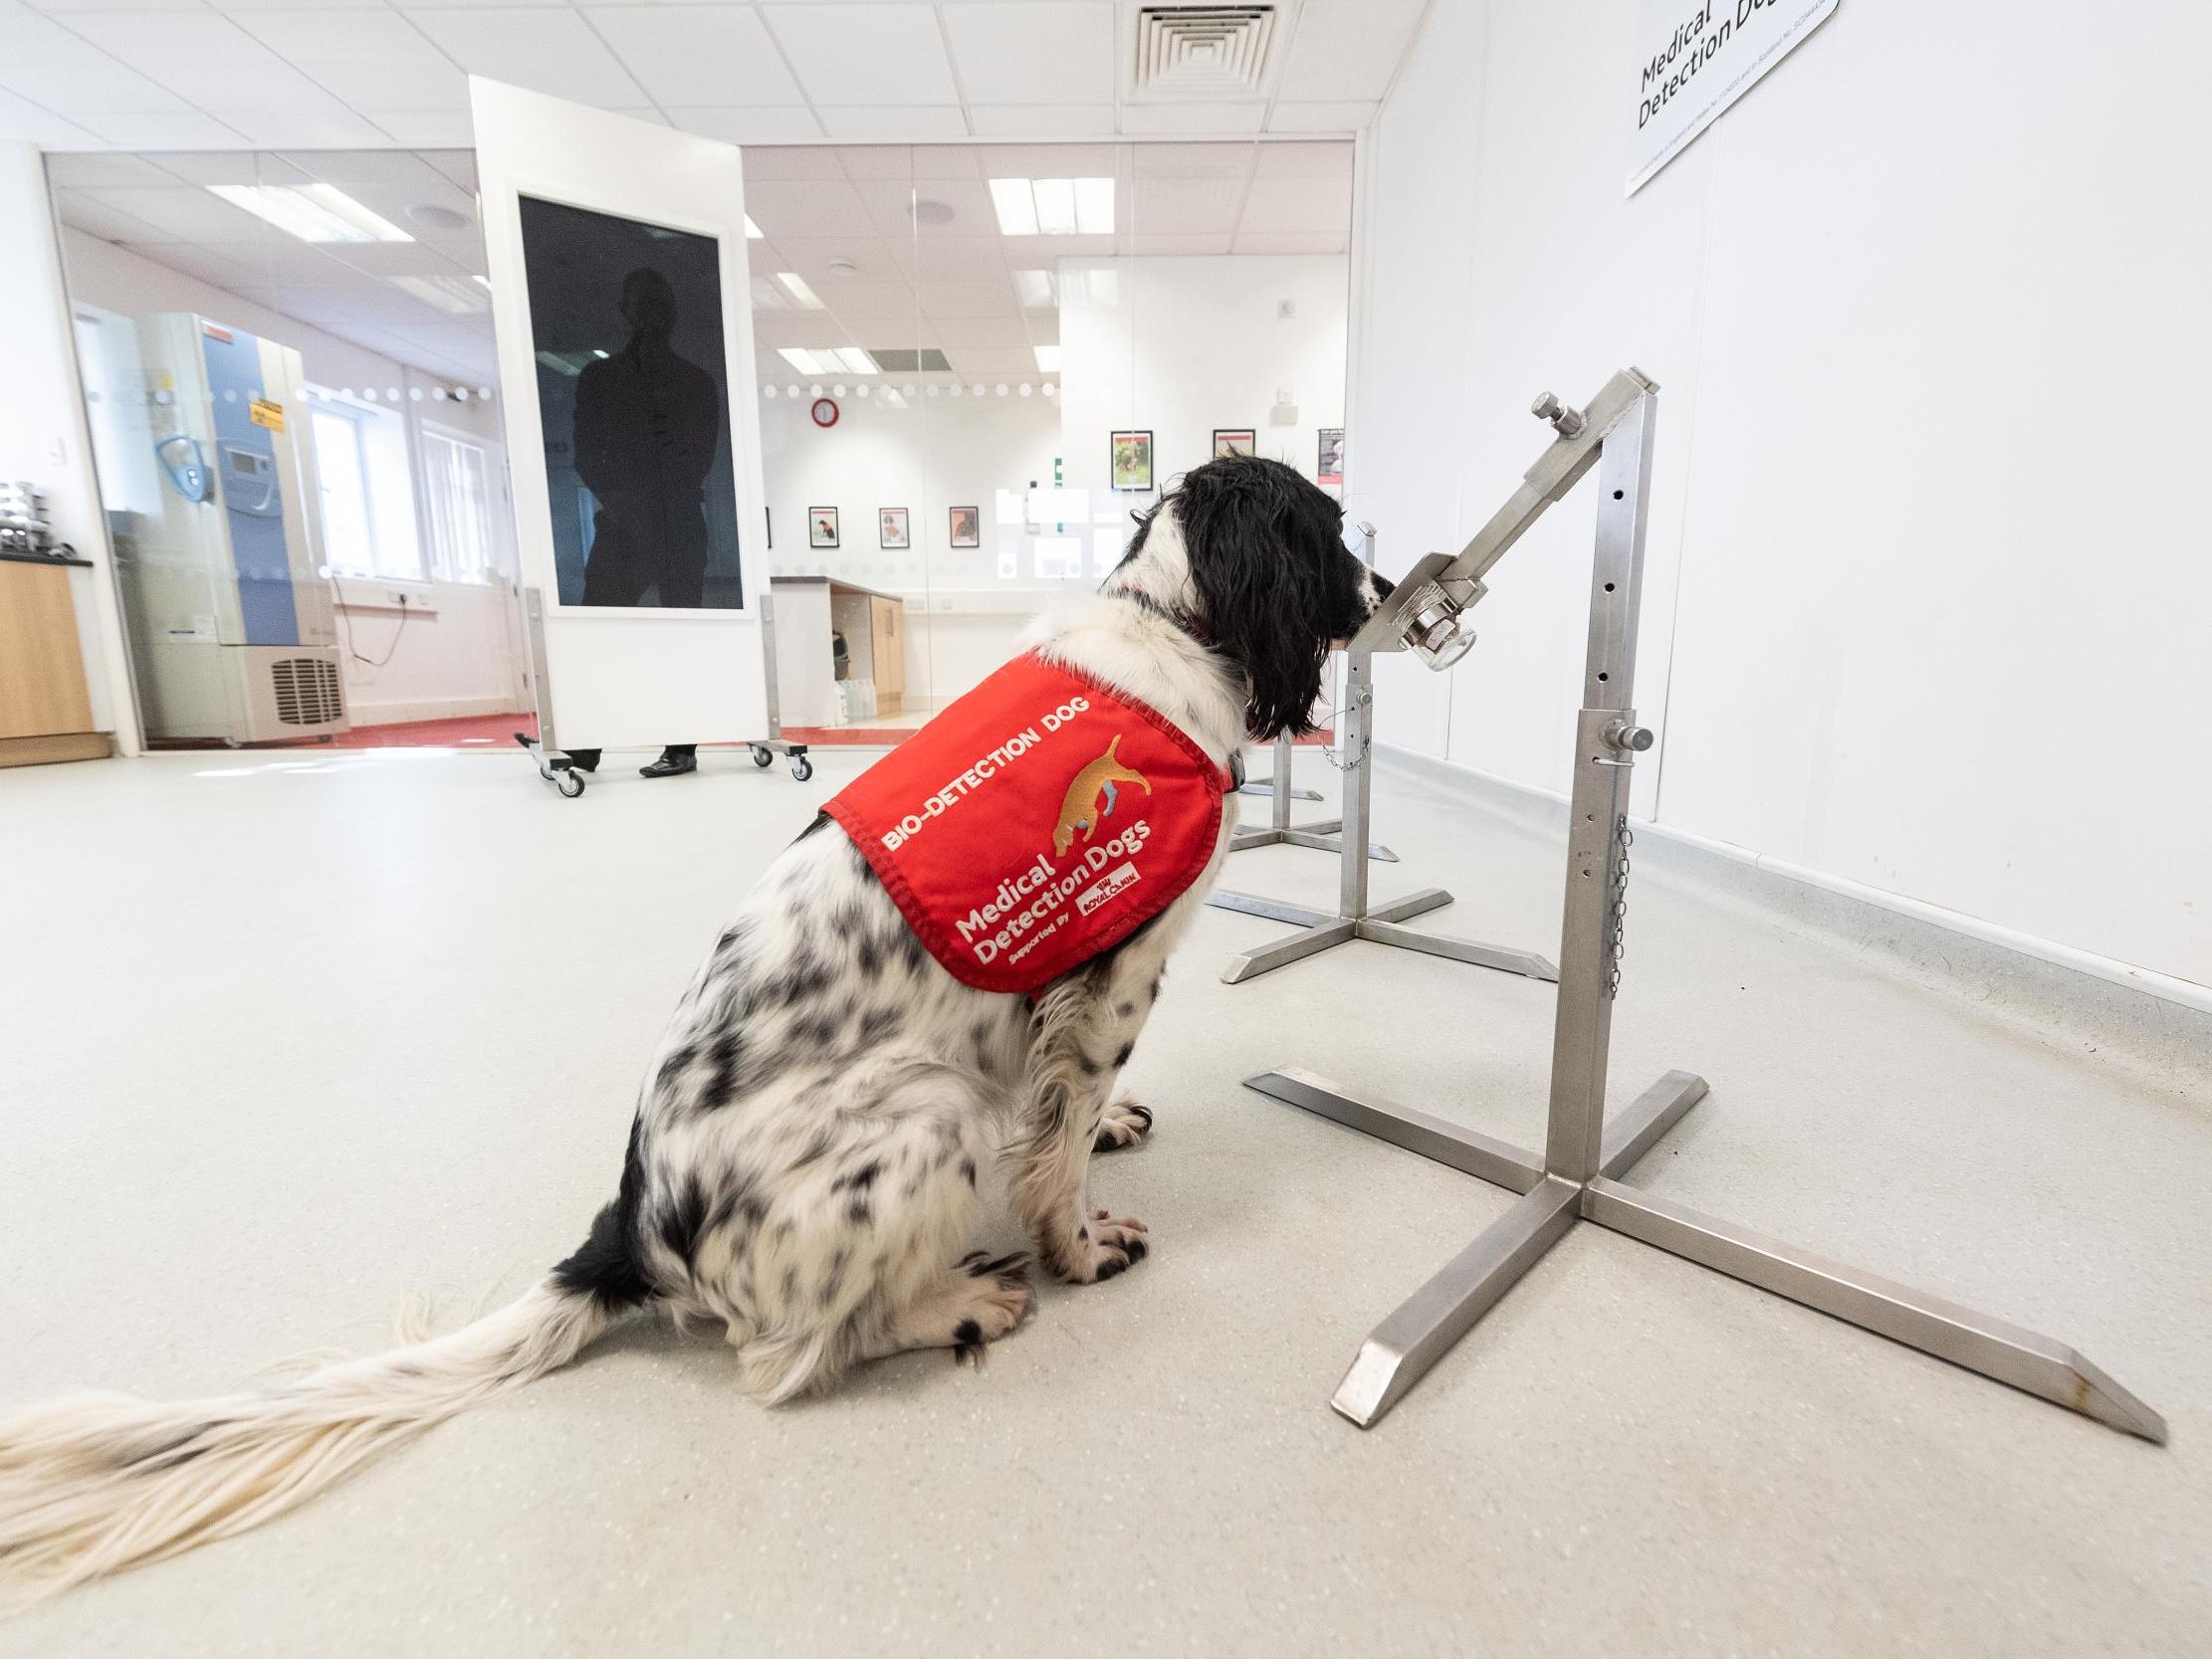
[556, 769]
[764, 754]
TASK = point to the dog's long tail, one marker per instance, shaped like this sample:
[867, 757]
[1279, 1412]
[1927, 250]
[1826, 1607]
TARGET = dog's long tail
[98, 1482]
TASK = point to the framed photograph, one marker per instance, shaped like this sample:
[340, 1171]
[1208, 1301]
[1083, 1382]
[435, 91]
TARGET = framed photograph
[1331, 466]
[821, 527]
[1234, 441]
[891, 528]
[632, 396]
[1131, 456]
[968, 527]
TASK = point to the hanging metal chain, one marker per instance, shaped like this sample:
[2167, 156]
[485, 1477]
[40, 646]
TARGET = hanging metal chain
[1617, 905]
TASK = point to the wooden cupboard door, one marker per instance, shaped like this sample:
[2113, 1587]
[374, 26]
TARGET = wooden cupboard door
[887, 638]
[42, 672]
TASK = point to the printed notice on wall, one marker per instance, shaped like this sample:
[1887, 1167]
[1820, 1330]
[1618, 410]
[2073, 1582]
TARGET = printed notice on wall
[1694, 58]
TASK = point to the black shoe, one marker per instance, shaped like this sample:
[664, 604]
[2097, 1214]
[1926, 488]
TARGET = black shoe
[670, 765]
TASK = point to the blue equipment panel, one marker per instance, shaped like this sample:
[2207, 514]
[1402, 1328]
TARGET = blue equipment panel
[249, 486]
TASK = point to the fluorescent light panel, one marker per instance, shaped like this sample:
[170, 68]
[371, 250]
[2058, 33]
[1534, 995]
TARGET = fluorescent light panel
[1053, 206]
[753, 232]
[311, 212]
[796, 285]
[1048, 358]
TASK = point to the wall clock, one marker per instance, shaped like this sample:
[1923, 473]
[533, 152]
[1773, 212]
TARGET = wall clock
[825, 411]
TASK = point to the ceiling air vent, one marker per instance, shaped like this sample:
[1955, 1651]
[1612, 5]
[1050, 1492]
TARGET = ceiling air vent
[1202, 51]
[906, 360]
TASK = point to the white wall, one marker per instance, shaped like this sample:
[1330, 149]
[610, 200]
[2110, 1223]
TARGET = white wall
[461, 653]
[1927, 571]
[43, 435]
[1180, 346]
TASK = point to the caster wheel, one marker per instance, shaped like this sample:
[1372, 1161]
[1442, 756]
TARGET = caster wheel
[763, 755]
[571, 783]
[802, 768]
[546, 773]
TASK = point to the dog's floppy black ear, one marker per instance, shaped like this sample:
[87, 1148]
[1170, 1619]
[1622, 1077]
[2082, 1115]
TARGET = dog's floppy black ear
[1275, 582]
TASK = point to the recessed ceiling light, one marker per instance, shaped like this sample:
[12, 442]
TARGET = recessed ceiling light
[767, 296]
[1048, 360]
[855, 359]
[486, 280]
[1053, 206]
[437, 216]
[796, 285]
[311, 212]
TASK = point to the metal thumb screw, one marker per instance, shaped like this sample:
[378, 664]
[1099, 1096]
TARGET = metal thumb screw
[1624, 735]
[1547, 407]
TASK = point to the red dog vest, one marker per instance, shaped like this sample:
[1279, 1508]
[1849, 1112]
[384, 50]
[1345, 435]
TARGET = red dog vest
[1034, 823]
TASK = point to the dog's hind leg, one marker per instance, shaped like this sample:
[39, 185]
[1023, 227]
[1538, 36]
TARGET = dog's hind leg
[850, 1254]
[978, 1300]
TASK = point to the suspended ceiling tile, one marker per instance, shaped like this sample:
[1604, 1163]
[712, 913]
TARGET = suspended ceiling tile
[24, 120]
[953, 333]
[182, 129]
[1149, 119]
[945, 162]
[88, 213]
[1298, 205]
[1322, 118]
[793, 208]
[107, 172]
[546, 49]
[214, 64]
[459, 166]
[232, 167]
[1173, 204]
[369, 59]
[1033, 50]
[865, 55]
[798, 161]
[987, 298]
[1062, 121]
[1191, 160]
[874, 301]
[395, 259]
[67, 73]
[961, 257]
[426, 126]
[750, 126]
[1050, 160]
[871, 120]
[698, 56]
[1347, 49]
[1296, 158]
[401, 169]
[181, 212]
[875, 259]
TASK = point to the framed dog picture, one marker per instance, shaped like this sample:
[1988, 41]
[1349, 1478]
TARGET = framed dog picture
[1131, 459]
[1234, 441]
[891, 528]
[821, 527]
[968, 527]
[1330, 467]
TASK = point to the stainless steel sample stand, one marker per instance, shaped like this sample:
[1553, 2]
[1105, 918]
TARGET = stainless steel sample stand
[1579, 1176]
[1353, 918]
[1278, 782]
[1322, 836]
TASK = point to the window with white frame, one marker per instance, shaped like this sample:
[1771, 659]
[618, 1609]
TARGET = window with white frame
[457, 508]
[342, 478]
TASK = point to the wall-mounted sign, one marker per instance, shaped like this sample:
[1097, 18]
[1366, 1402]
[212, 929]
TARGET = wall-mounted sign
[1694, 58]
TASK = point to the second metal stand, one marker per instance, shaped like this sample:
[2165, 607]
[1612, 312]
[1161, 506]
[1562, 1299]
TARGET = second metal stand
[1353, 919]
[1323, 836]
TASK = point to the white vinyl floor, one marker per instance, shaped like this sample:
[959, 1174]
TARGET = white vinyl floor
[283, 1039]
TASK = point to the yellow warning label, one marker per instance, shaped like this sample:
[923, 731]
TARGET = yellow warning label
[267, 414]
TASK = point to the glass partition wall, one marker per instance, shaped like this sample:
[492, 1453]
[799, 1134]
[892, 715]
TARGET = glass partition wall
[978, 362]
[974, 362]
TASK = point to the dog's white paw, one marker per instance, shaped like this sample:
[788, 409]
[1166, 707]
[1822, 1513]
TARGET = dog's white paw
[1104, 1245]
[995, 1300]
[1124, 1124]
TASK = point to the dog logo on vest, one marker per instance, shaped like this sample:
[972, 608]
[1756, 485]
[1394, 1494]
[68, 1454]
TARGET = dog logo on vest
[1091, 797]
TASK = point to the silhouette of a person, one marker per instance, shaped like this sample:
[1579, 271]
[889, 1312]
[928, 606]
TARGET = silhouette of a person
[648, 426]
